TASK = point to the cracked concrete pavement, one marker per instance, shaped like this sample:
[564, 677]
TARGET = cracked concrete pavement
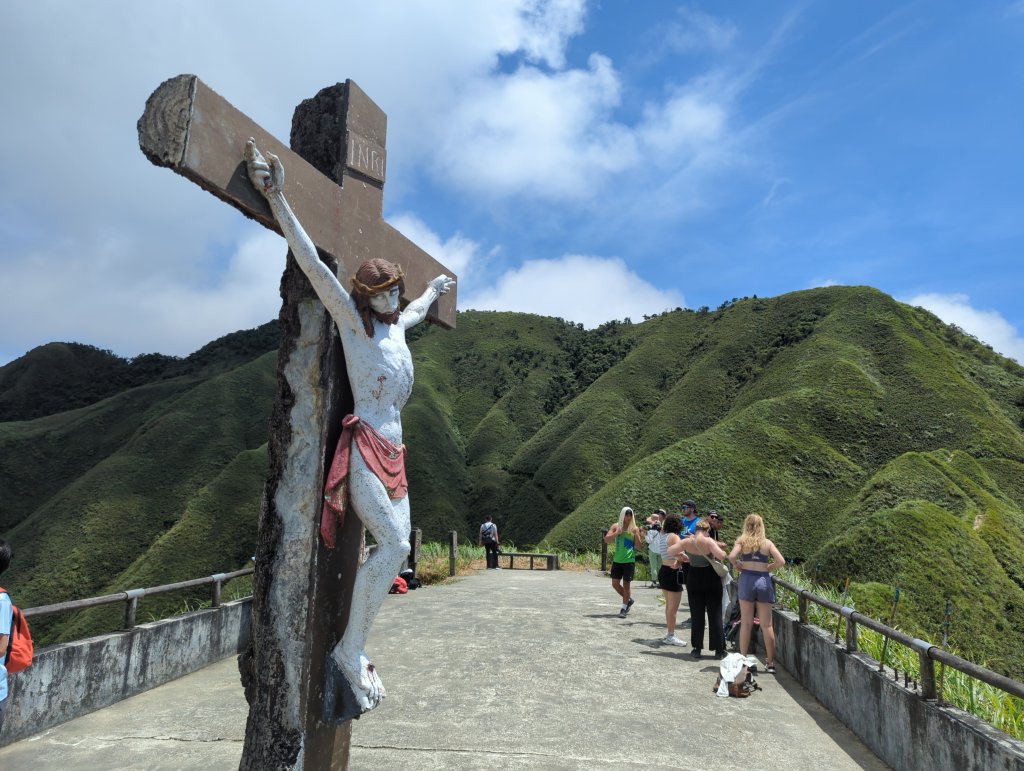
[502, 669]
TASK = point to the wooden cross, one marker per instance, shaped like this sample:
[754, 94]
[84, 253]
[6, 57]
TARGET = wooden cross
[302, 591]
[191, 129]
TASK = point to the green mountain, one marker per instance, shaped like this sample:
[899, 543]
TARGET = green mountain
[879, 444]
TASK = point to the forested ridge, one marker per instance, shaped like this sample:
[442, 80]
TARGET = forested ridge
[879, 443]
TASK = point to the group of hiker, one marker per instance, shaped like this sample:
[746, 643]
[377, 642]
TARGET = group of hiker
[685, 550]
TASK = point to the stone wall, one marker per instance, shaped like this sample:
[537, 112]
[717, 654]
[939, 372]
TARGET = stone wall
[894, 721]
[75, 678]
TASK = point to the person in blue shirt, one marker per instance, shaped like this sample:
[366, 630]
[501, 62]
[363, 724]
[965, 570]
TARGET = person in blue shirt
[689, 525]
[6, 619]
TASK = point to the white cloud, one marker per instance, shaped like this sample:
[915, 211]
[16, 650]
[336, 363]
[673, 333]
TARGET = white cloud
[459, 254]
[698, 31]
[140, 313]
[689, 119]
[544, 29]
[101, 246]
[988, 326]
[546, 135]
[579, 288]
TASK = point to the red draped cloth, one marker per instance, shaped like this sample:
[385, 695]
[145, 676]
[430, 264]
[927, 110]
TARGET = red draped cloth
[385, 460]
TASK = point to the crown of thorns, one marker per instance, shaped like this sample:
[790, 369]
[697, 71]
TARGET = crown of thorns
[362, 288]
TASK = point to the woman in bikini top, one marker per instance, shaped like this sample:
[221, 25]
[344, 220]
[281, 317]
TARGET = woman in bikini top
[758, 558]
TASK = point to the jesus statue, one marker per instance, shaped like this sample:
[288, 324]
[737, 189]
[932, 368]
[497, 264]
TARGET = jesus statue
[368, 471]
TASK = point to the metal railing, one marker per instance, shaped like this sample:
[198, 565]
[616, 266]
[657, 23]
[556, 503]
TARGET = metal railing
[131, 596]
[927, 653]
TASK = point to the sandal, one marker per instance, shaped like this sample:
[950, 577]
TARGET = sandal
[770, 669]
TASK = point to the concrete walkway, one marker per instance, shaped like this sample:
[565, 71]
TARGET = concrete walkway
[503, 669]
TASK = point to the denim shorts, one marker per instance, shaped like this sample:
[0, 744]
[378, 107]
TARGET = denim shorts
[756, 587]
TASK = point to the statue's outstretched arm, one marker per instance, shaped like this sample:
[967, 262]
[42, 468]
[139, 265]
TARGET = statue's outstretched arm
[267, 176]
[416, 311]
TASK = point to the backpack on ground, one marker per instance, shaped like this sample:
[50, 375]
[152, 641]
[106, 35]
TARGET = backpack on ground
[19, 643]
[411, 581]
[399, 586]
[735, 678]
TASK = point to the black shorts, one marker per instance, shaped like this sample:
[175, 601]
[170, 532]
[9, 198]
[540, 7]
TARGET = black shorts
[623, 570]
[669, 579]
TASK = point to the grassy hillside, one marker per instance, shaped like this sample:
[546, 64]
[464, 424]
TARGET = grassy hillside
[877, 442]
[181, 459]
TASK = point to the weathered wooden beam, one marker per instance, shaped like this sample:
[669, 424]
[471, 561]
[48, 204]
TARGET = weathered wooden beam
[192, 130]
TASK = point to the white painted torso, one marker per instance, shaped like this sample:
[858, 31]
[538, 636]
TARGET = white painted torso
[380, 372]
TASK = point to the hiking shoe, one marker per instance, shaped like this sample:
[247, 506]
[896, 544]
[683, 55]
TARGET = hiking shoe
[622, 613]
[629, 604]
[671, 639]
[695, 652]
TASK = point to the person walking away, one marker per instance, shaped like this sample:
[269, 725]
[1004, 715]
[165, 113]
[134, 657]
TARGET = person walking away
[703, 589]
[625, 535]
[756, 556]
[654, 523]
[488, 538]
[6, 621]
[669, 575]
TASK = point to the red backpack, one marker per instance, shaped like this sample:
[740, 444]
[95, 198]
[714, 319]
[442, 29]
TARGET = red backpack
[19, 644]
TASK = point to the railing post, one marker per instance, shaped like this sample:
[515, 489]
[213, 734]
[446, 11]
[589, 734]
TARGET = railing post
[804, 603]
[928, 690]
[218, 583]
[604, 549]
[415, 546]
[851, 634]
[132, 596]
[453, 547]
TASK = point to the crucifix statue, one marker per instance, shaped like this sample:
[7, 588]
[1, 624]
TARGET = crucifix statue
[344, 374]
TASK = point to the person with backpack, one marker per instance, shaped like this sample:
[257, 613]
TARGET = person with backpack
[6, 624]
[488, 538]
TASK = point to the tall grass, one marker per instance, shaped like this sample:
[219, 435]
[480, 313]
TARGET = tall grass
[959, 689]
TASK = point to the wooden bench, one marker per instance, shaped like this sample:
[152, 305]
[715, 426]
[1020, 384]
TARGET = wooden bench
[551, 560]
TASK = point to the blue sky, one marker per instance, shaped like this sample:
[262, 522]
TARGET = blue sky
[589, 160]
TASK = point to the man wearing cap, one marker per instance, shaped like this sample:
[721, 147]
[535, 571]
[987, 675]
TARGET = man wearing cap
[690, 519]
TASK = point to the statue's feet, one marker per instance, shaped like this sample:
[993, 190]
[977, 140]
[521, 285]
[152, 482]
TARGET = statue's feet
[366, 683]
[353, 687]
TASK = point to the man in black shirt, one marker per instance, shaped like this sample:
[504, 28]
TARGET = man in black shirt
[715, 520]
